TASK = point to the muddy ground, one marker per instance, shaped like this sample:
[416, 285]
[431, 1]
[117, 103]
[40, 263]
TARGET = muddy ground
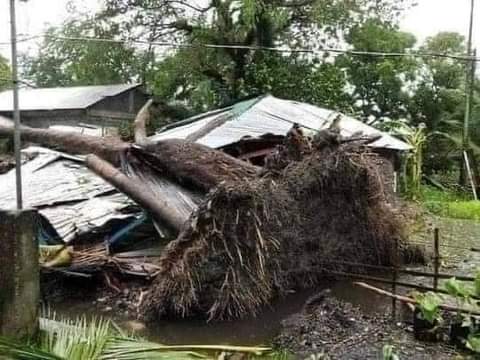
[340, 330]
[337, 330]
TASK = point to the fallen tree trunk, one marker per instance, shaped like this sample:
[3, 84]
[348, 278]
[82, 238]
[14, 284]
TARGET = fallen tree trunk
[193, 166]
[188, 163]
[70, 142]
[160, 209]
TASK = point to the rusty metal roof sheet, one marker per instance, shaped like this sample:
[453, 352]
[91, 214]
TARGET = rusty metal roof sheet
[270, 115]
[74, 200]
[62, 98]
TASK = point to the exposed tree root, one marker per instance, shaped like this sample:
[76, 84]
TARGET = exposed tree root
[253, 239]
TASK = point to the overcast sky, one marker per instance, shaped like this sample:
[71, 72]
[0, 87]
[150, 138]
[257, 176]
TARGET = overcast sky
[426, 19]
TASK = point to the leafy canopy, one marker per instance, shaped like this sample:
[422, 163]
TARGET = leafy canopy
[63, 62]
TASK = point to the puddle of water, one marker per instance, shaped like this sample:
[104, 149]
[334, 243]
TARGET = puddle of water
[250, 331]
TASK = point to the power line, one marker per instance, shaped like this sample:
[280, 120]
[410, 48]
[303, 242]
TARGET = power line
[271, 49]
[22, 39]
[23, 82]
[322, 51]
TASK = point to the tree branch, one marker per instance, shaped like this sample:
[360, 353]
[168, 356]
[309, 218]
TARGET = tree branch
[161, 210]
[140, 124]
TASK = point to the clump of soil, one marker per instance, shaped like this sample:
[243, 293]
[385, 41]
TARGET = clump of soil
[338, 330]
[252, 239]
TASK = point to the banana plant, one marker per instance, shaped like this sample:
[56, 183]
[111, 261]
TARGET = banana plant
[416, 137]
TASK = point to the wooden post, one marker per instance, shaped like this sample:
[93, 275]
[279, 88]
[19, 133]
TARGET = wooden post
[394, 281]
[436, 258]
[470, 176]
[19, 274]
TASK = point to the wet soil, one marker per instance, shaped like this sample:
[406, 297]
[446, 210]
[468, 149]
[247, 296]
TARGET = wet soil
[334, 329]
[457, 240]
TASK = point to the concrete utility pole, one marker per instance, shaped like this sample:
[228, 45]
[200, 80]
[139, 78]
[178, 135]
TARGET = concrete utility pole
[16, 109]
[19, 270]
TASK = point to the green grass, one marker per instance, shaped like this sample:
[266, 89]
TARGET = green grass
[450, 204]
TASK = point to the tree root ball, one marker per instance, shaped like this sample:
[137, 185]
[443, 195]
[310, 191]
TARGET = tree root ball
[254, 239]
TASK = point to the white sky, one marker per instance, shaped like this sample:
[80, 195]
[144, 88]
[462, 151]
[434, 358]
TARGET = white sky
[426, 19]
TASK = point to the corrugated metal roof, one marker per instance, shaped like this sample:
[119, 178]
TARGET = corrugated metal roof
[73, 199]
[64, 98]
[76, 201]
[270, 115]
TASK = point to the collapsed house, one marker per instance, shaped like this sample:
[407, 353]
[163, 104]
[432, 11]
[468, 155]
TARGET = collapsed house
[243, 234]
[251, 130]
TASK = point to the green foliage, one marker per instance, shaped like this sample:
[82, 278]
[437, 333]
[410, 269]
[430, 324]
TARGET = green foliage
[126, 131]
[388, 353]
[207, 78]
[464, 210]
[379, 91]
[439, 102]
[413, 164]
[473, 343]
[5, 74]
[450, 204]
[428, 304]
[476, 284]
[62, 62]
[457, 289]
[297, 79]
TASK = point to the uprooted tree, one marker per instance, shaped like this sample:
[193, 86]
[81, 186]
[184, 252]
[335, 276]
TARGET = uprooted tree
[256, 232]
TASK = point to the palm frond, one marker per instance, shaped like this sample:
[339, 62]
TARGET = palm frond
[13, 350]
[130, 349]
[62, 339]
[80, 339]
[457, 140]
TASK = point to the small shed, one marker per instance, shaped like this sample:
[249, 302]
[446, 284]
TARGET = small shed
[104, 106]
[251, 129]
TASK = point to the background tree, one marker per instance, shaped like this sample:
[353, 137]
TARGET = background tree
[5, 74]
[202, 78]
[439, 102]
[218, 76]
[61, 62]
[379, 84]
